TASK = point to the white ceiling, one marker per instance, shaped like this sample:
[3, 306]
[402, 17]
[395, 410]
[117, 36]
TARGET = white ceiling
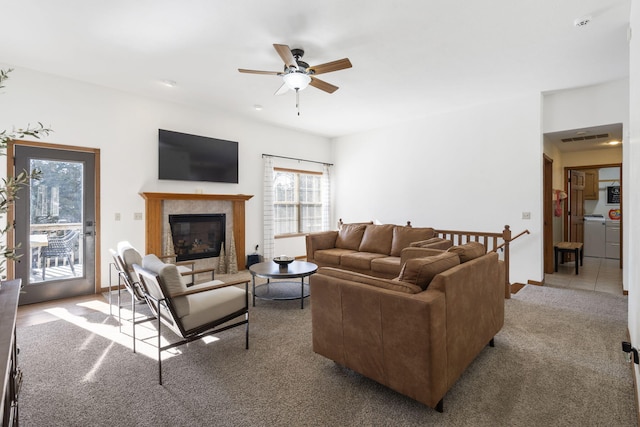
[410, 58]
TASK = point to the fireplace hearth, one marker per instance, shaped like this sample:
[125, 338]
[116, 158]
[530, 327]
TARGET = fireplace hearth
[197, 236]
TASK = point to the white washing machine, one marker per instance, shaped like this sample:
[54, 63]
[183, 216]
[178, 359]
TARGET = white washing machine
[595, 236]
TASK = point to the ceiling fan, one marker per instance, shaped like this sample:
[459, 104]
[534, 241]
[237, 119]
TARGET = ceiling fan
[297, 74]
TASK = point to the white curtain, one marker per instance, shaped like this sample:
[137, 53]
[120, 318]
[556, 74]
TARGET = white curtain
[326, 198]
[267, 196]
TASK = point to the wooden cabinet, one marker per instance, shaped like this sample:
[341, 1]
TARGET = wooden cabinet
[11, 374]
[591, 184]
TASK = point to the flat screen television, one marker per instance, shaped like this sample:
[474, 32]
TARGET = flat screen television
[185, 157]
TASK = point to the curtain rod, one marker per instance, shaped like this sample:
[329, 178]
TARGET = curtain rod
[300, 160]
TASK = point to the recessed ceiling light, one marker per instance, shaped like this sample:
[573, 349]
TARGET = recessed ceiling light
[613, 142]
[169, 83]
[257, 107]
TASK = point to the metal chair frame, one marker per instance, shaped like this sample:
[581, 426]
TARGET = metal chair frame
[163, 309]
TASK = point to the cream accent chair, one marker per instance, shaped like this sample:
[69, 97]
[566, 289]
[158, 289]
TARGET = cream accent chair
[124, 260]
[194, 312]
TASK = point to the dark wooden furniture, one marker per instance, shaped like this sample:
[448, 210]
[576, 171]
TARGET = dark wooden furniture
[569, 247]
[12, 376]
[281, 290]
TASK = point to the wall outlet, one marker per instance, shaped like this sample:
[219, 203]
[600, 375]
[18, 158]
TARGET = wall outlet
[137, 216]
[117, 216]
[526, 215]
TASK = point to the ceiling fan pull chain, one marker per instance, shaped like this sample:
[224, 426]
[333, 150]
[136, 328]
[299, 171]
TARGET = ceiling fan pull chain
[298, 100]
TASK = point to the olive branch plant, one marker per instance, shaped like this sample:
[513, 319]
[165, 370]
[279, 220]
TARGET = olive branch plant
[11, 185]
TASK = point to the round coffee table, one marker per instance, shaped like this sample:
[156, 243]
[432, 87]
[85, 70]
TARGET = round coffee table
[282, 290]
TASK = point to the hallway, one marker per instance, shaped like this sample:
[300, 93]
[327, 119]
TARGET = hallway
[596, 274]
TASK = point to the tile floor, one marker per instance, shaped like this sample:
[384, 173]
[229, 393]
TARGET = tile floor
[596, 274]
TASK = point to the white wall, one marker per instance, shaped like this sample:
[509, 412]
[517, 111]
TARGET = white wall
[586, 106]
[124, 128]
[464, 170]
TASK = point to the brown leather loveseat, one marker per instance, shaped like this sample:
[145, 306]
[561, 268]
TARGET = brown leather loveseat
[417, 333]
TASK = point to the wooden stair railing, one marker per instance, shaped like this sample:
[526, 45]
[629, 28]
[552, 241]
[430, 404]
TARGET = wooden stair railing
[492, 241]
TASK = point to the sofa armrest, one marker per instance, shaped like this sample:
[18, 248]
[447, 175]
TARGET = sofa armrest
[414, 252]
[474, 293]
[318, 241]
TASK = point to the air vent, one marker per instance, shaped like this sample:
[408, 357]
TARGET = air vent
[585, 138]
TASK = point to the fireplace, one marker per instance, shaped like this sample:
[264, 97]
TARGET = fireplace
[197, 236]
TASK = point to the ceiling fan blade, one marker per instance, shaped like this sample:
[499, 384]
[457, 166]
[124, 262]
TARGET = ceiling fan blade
[274, 73]
[286, 55]
[283, 89]
[340, 64]
[322, 85]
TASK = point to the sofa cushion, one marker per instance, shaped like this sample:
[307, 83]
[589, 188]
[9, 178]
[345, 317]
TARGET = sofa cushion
[331, 256]
[350, 236]
[389, 265]
[433, 243]
[359, 260]
[391, 284]
[421, 271]
[403, 236]
[468, 251]
[377, 239]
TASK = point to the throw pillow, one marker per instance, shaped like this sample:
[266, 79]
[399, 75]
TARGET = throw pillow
[350, 236]
[421, 271]
[468, 251]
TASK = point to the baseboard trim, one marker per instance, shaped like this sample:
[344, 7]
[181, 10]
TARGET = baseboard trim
[515, 287]
[534, 282]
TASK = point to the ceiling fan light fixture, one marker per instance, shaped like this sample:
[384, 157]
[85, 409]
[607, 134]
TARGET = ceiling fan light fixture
[296, 80]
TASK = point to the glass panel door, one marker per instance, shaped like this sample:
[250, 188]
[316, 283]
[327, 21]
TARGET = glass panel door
[55, 225]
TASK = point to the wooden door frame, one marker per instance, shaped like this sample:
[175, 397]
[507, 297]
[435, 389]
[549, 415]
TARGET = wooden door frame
[566, 189]
[547, 213]
[11, 214]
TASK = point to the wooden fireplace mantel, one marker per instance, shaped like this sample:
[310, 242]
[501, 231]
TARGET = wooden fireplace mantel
[153, 212]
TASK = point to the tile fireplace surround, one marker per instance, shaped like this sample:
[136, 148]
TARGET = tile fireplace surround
[158, 206]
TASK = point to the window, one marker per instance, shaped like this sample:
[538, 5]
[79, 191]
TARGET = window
[297, 201]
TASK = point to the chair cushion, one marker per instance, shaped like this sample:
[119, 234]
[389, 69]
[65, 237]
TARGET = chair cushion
[171, 279]
[208, 306]
[468, 251]
[350, 236]
[129, 256]
[403, 236]
[421, 271]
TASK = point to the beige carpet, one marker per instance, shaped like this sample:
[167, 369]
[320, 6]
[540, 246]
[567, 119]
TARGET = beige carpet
[556, 362]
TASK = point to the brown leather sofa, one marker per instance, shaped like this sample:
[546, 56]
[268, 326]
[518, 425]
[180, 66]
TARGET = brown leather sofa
[377, 250]
[417, 333]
